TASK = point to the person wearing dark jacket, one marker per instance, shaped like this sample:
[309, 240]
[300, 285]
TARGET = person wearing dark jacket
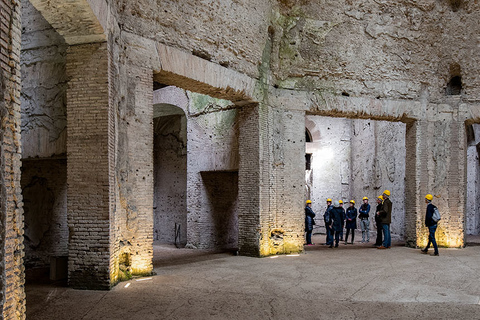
[338, 217]
[378, 222]
[364, 219]
[309, 222]
[386, 219]
[328, 223]
[340, 202]
[431, 224]
[351, 224]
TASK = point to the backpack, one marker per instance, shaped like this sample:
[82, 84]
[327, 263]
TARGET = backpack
[436, 215]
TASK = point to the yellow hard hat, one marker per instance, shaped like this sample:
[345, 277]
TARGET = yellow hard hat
[380, 197]
[352, 201]
[340, 201]
[329, 200]
[309, 201]
[386, 192]
[429, 197]
[365, 198]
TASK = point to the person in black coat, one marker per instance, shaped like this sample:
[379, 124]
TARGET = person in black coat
[337, 215]
[309, 222]
[431, 224]
[351, 223]
[378, 222]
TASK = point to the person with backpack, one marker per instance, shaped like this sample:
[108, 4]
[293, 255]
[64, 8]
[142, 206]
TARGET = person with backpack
[431, 219]
[338, 217]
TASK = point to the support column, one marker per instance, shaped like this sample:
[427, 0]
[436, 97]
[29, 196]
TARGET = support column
[436, 164]
[89, 166]
[271, 181]
[12, 272]
[134, 170]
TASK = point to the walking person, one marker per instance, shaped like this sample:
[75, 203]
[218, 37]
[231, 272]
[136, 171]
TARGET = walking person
[328, 223]
[378, 222]
[386, 219]
[351, 224]
[309, 222]
[431, 224]
[364, 220]
[338, 218]
[340, 202]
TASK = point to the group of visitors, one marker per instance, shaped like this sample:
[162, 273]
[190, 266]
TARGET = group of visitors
[337, 219]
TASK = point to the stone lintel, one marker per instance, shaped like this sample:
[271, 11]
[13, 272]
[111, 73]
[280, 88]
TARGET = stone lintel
[184, 70]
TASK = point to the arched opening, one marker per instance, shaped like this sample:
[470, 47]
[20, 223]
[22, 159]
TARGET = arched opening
[454, 86]
[473, 180]
[170, 174]
[44, 163]
[351, 160]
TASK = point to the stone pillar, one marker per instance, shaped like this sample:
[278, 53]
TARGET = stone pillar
[271, 181]
[436, 164]
[89, 166]
[134, 170]
[12, 276]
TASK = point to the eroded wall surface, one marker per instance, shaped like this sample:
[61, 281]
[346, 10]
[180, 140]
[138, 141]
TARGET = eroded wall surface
[473, 181]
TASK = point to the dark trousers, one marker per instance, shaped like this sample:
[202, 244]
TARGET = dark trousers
[309, 237]
[379, 240]
[353, 234]
[431, 238]
[337, 237]
[329, 240]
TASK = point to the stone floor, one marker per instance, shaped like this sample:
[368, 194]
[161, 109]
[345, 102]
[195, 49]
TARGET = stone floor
[351, 282]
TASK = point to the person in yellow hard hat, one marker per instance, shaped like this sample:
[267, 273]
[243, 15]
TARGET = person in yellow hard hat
[386, 219]
[363, 215]
[351, 223]
[431, 224]
[309, 222]
[378, 222]
[340, 203]
[328, 223]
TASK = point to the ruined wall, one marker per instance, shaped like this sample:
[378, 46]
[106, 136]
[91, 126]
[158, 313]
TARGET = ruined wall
[212, 131]
[231, 33]
[170, 178]
[378, 163]
[44, 112]
[385, 49]
[44, 189]
[12, 276]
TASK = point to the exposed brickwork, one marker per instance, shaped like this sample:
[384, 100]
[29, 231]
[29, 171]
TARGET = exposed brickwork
[88, 173]
[12, 279]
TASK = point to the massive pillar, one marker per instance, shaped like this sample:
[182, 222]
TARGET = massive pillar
[436, 164]
[271, 180]
[89, 166]
[12, 279]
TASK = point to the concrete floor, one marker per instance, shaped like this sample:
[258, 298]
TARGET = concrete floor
[351, 282]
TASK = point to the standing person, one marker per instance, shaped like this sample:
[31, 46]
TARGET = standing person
[386, 219]
[431, 224]
[364, 219]
[351, 224]
[340, 202]
[328, 223]
[309, 222]
[338, 218]
[378, 222]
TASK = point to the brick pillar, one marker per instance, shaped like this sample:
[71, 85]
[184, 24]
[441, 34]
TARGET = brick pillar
[436, 164]
[89, 166]
[12, 278]
[271, 181]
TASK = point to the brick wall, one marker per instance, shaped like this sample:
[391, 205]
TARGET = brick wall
[12, 279]
[89, 166]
